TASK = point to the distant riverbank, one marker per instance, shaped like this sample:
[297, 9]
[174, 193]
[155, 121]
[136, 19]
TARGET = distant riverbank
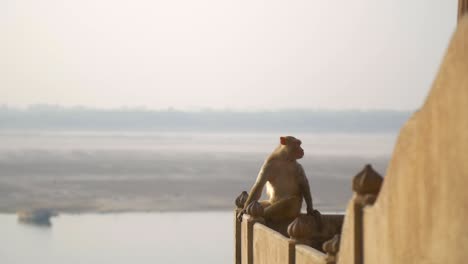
[102, 172]
[330, 184]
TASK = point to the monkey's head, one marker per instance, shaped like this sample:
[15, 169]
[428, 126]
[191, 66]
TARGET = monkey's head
[292, 147]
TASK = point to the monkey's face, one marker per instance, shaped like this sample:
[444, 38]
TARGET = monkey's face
[293, 147]
[297, 150]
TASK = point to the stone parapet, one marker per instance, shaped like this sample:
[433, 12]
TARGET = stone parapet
[257, 243]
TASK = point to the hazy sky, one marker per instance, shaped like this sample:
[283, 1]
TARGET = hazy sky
[222, 54]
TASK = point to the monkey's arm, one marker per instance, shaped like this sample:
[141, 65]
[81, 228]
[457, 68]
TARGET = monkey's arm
[305, 189]
[257, 188]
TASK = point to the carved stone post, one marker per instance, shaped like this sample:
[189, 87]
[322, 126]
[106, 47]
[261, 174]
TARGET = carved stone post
[366, 185]
[240, 201]
[301, 230]
[462, 8]
[305, 229]
[254, 214]
[331, 247]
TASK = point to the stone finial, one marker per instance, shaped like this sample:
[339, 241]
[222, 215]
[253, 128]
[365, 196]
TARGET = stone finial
[368, 181]
[369, 199]
[301, 229]
[255, 210]
[331, 247]
[462, 8]
[241, 199]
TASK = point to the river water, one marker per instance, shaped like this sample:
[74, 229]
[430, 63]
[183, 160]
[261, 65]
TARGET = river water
[186, 237]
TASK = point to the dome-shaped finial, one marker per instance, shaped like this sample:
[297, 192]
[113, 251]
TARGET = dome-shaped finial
[255, 210]
[368, 181]
[331, 247]
[241, 199]
[301, 229]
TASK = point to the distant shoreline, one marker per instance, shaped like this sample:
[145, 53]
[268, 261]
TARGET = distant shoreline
[170, 172]
[45, 117]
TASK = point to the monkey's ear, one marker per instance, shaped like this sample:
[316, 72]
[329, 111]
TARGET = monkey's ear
[283, 140]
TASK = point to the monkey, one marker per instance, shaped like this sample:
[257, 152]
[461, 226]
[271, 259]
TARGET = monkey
[285, 181]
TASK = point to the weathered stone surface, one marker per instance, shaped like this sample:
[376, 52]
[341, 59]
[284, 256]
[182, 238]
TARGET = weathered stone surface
[237, 237]
[247, 235]
[270, 247]
[347, 244]
[308, 255]
[247, 240]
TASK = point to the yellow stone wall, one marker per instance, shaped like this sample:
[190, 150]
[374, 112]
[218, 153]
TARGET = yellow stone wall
[271, 247]
[308, 255]
[421, 214]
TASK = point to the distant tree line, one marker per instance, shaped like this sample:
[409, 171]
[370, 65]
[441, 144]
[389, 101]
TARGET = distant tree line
[79, 118]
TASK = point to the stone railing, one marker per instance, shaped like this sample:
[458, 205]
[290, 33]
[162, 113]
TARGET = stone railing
[366, 187]
[304, 240]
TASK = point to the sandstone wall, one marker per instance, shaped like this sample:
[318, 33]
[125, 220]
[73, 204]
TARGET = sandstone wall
[421, 213]
[271, 247]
